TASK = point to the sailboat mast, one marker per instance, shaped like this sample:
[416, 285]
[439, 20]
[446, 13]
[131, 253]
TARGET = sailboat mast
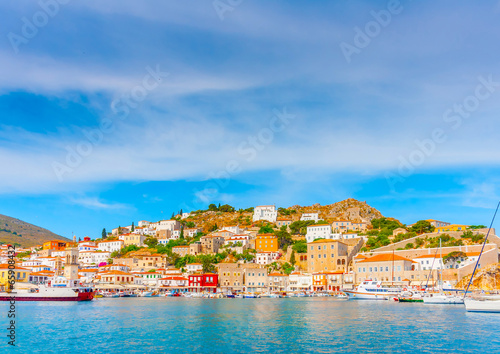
[482, 248]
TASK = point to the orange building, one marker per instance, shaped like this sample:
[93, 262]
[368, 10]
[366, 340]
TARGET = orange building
[266, 243]
[54, 245]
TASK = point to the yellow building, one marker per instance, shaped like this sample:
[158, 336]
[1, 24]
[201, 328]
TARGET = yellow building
[55, 245]
[133, 239]
[266, 243]
[453, 227]
[21, 275]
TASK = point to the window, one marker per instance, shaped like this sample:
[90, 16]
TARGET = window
[332, 247]
[399, 268]
[359, 270]
[312, 255]
[364, 270]
[375, 269]
[370, 269]
[319, 247]
[319, 256]
[386, 269]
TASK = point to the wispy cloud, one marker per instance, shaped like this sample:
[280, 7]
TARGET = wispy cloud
[96, 203]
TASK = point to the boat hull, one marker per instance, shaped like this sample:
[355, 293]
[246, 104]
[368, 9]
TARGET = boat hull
[84, 296]
[358, 295]
[472, 305]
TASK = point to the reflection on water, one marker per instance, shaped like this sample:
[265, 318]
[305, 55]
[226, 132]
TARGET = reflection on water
[295, 325]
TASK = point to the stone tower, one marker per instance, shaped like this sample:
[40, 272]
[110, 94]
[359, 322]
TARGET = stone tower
[71, 266]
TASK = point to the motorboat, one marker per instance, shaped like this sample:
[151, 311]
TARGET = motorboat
[371, 290]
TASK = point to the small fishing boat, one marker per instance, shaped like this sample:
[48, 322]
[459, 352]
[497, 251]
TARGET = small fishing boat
[146, 294]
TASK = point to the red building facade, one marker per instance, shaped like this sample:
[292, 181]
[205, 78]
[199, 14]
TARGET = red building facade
[203, 282]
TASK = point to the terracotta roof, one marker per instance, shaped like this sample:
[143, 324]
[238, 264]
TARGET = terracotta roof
[43, 273]
[277, 275]
[116, 272]
[385, 258]
[6, 266]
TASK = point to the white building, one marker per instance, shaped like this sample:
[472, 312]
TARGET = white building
[235, 229]
[173, 281]
[266, 258]
[310, 216]
[168, 225]
[194, 267]
[318, 231]
[265, 212]
[244, 239]
[143, 223]
[110, 246]
[90, 257]
[298, 281]
[185, 215]
[191, 232]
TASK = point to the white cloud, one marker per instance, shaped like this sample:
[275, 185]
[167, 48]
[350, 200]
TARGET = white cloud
[96, 203]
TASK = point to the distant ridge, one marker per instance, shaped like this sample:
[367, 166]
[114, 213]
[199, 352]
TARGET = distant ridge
[23, 234]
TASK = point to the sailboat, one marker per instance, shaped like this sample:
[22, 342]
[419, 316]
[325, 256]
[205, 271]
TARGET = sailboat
[482, 303]
[441, 298]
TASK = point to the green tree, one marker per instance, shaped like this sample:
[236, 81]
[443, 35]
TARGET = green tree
[213, 207]
[181, 236]
[133, 227]
[454, 257]
[151, 242]
[300, 246]
[104, 234]
[265, 229]
[475, 227]
[214, 228]
[208, 267]
[190, 224]
[422, 226]
[292, 258]
[226, 208]
[284, 239]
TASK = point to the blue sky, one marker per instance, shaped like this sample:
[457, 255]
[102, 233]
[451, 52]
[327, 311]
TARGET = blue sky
[119, 111]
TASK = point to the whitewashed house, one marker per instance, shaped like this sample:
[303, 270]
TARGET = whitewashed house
[310, 216]
[265, 212]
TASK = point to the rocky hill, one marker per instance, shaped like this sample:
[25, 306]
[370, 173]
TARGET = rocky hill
[20, 233]
[485, 279]
[349, 209]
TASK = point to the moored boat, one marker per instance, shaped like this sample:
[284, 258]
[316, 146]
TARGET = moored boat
[371, 290]
[58, 289]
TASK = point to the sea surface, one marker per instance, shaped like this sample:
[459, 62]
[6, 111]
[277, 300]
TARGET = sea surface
[294, 325]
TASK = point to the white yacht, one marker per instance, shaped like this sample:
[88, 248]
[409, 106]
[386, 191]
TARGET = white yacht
[372, 290]
[483, 304]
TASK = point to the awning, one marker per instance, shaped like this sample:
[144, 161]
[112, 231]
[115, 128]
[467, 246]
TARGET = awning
[109, 286]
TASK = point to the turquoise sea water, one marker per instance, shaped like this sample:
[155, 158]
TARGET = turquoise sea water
[296, 325]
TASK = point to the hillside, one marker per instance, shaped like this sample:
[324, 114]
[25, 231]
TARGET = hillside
[349, 209]
[20, 233]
